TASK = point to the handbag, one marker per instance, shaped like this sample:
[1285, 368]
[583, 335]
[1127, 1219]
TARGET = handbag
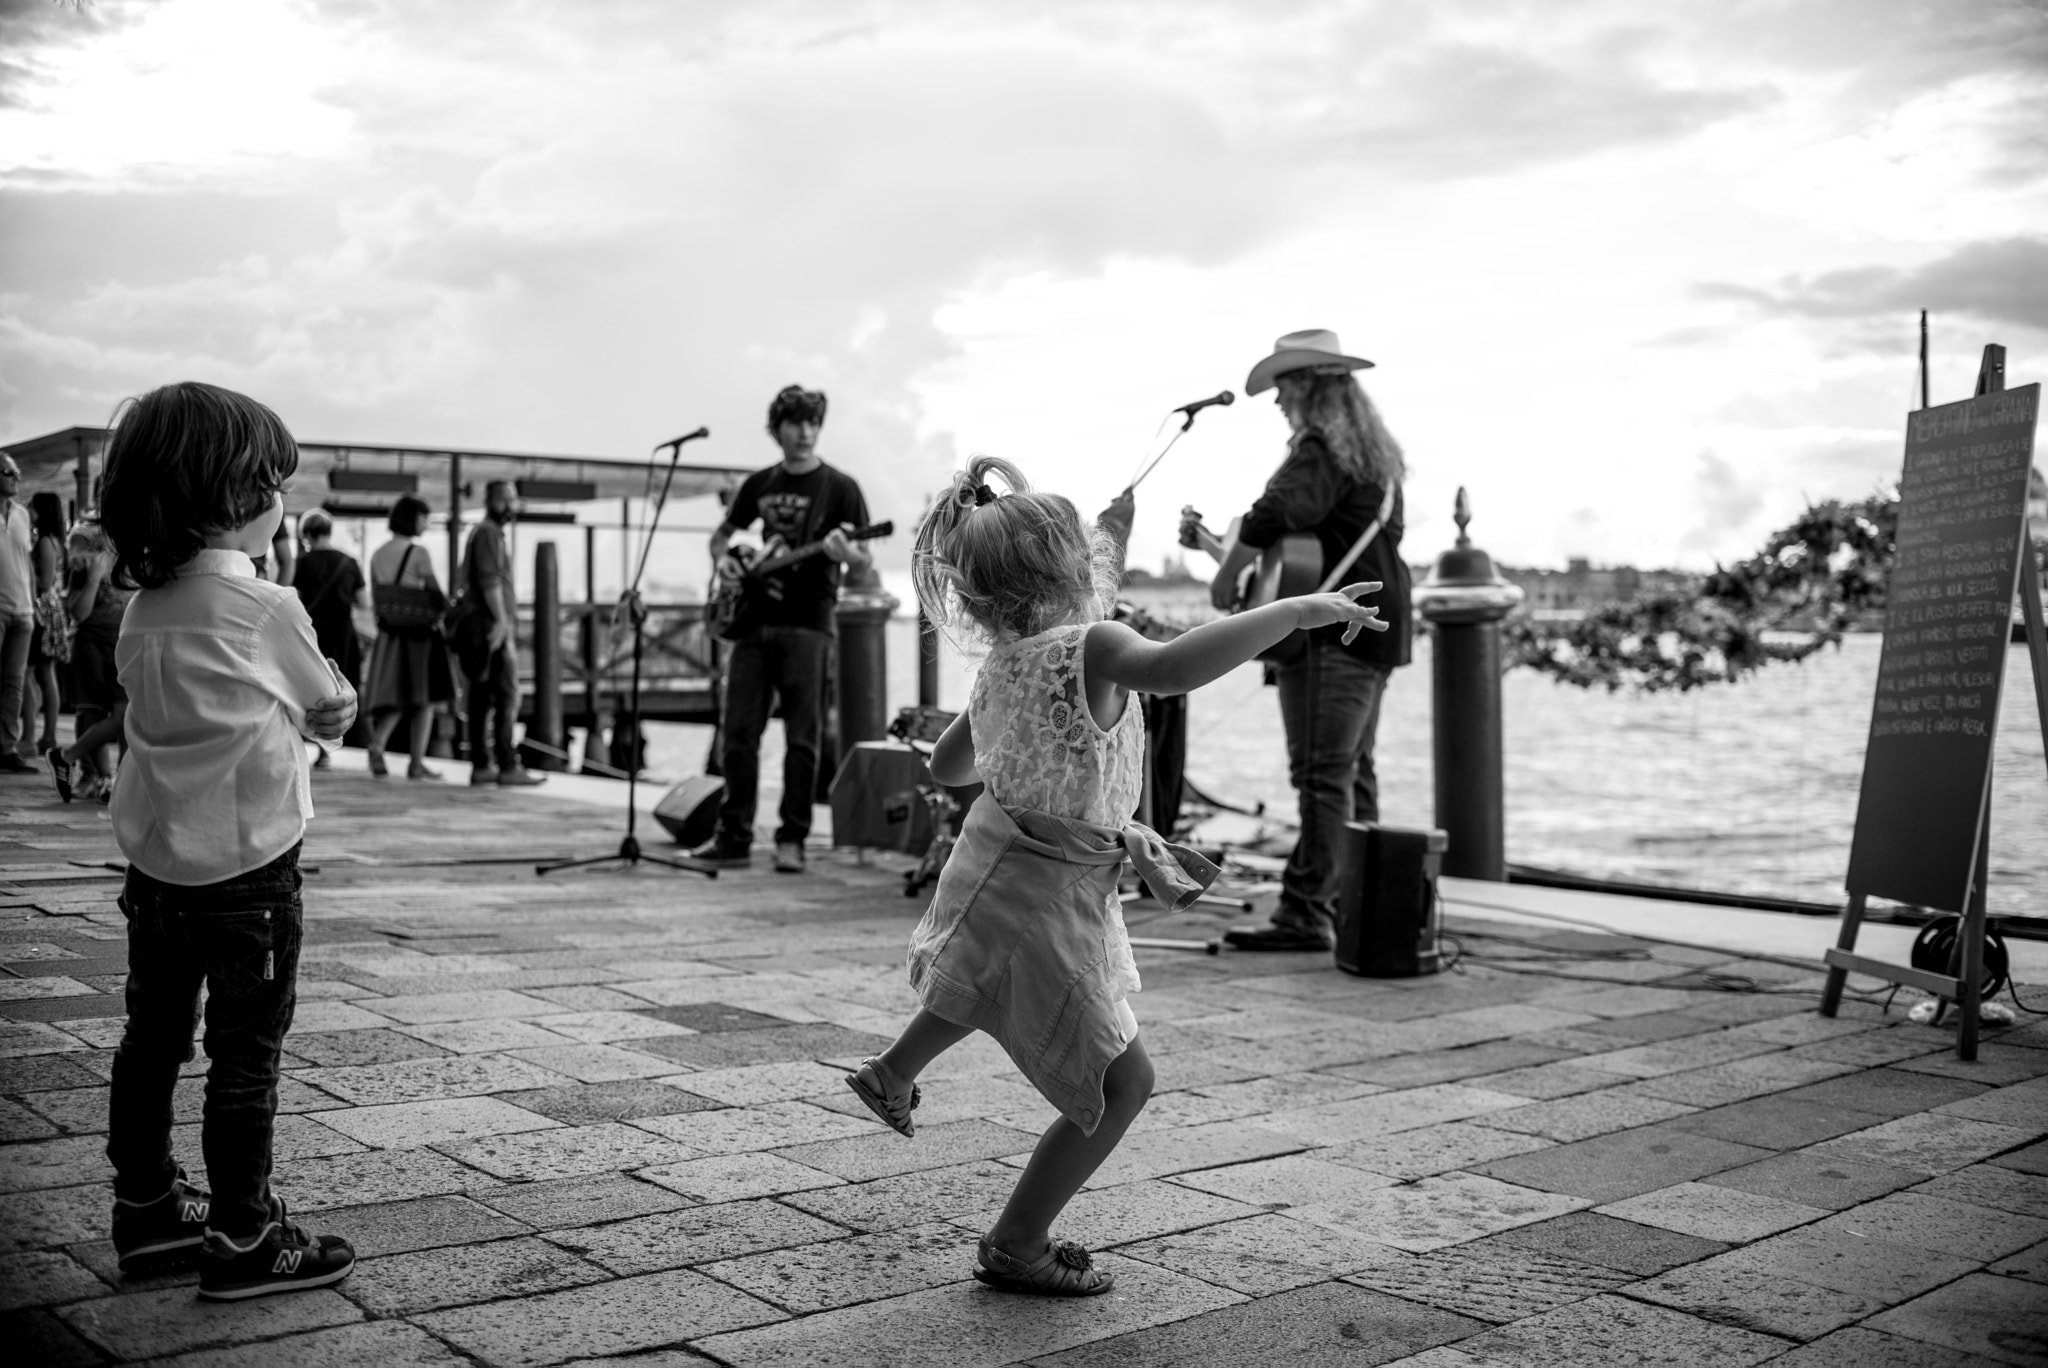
[55, 619]
[409, 610]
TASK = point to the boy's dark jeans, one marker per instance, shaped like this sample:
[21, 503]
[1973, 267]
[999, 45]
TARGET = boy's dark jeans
[240, 938]
[789, 661]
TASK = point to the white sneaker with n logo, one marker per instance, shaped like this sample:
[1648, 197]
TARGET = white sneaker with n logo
[282, 1257]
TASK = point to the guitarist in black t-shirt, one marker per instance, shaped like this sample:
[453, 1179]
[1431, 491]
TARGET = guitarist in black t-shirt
[786, 650]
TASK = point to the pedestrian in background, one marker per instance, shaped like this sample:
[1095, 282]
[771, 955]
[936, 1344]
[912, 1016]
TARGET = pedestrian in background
[409, 674]
[50, 644]
[490, 649]
[17, 616]
[332, 587]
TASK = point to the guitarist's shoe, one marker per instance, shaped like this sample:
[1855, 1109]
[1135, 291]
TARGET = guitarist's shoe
[723, 853]
[1277, 938]
[789, 857]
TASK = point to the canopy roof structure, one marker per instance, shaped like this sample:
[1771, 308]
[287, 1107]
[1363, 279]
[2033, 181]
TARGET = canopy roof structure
[365, 477]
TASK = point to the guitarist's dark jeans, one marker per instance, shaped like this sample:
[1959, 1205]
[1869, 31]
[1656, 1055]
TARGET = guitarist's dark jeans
[785, 661]
[1330, 705]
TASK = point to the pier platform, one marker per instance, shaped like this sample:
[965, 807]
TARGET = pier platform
[599, 1118]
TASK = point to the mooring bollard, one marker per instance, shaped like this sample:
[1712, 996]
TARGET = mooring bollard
[863, 669]
[1465, 600]
[544, 724]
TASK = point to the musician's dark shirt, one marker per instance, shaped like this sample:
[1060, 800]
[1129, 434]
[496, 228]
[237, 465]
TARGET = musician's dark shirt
[800, 509]
[1310, 493]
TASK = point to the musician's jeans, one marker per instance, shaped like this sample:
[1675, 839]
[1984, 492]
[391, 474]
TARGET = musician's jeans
[1330, 705]
[240, 940]
[785, 661]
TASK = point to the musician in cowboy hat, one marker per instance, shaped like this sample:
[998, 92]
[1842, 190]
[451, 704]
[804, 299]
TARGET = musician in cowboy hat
[1341, 482]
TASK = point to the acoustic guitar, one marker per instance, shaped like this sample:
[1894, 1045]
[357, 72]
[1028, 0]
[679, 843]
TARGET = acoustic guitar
[1291, 566]
[734, 609]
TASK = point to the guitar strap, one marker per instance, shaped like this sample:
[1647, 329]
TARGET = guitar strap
[1336, 576]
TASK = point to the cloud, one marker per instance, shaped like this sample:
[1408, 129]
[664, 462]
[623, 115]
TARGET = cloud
[1725, 500]
[2002, 281]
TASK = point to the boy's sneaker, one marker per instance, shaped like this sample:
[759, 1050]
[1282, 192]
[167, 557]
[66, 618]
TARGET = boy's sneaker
[789, 857]
[282, 1257]
[148, 1233]
[723, 853]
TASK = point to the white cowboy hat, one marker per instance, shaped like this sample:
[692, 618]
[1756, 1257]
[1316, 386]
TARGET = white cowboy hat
[1298, 351]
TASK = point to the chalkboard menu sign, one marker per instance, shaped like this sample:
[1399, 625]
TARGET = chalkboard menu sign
[1926, 773]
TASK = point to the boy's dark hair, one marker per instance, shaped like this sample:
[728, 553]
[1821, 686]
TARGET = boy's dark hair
[795, 404]
[187, 460]
[409, 515]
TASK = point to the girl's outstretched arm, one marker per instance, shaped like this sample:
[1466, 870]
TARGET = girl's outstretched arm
[953, 755]
[1122, 657]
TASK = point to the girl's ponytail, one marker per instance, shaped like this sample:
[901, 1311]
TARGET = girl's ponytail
[1011, 561]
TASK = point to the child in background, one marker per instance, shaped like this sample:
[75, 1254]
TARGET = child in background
[223, 677]
[1025, 937]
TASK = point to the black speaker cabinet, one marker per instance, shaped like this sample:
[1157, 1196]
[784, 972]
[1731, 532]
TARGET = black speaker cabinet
[1387, 919]
[689, 811]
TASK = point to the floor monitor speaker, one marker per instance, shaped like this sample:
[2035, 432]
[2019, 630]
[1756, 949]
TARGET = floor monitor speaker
[689, 811]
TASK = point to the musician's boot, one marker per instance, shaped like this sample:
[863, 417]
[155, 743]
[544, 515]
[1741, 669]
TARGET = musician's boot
[1278, 938]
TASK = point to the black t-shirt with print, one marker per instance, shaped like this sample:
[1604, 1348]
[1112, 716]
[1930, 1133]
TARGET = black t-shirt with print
[800, 509]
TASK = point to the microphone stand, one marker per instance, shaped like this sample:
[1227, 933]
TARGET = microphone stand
[629, 852]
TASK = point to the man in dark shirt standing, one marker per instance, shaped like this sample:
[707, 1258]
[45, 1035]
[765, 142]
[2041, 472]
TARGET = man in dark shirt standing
[492, 692]
[800, 500]
[1342, 476]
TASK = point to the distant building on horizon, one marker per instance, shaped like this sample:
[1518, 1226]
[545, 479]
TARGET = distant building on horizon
[1581, 585]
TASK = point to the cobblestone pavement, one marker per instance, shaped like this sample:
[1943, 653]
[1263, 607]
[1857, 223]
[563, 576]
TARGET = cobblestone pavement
[599, 1118]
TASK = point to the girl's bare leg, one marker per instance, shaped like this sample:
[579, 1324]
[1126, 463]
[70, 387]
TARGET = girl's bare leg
[926, 1038]
[382, 724]
[1066, 1157]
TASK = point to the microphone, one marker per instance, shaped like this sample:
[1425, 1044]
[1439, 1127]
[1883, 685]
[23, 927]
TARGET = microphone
[693, 436]
[1225, 398]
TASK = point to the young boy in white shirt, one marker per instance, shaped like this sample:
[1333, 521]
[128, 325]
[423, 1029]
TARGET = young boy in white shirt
[223, 677]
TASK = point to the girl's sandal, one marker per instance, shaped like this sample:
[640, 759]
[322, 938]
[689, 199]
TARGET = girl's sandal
[60, 770]
[871, 1085]
[1065, 1270]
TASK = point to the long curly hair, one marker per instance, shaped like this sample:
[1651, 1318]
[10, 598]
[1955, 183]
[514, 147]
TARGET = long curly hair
[1332, 405]
[1008, 565]
[187, 460]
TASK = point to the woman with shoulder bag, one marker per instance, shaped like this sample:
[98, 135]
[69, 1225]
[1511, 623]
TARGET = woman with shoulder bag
[409, 672]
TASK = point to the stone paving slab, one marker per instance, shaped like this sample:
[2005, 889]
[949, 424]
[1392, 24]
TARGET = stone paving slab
[1614, 1331]
[1491, 1282]
[964, 1324]
[2000, 1318]
[1331, 1323]
[612, 1317]
[373, 1344]
[603, 1120]
[1263, 1254]
[1625, 1246]
[696, 1234]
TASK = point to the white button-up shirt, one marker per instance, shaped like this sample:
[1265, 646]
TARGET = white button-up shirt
[219, 667]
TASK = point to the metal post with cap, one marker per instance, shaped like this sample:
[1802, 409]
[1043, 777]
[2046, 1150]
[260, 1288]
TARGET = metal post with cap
[1465, 600]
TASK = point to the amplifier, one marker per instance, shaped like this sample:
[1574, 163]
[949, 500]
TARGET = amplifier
[1388, 924]
[689, 811]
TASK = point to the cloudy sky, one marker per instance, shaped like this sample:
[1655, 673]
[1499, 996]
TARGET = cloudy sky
[1643, 276]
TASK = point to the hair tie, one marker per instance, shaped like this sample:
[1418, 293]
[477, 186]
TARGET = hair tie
[983, 495]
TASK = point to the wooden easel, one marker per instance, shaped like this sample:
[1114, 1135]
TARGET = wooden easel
[1963, 982]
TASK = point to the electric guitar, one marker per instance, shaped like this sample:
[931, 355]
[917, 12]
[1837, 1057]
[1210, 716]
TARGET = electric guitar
[1290, 567]
[734, 607]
